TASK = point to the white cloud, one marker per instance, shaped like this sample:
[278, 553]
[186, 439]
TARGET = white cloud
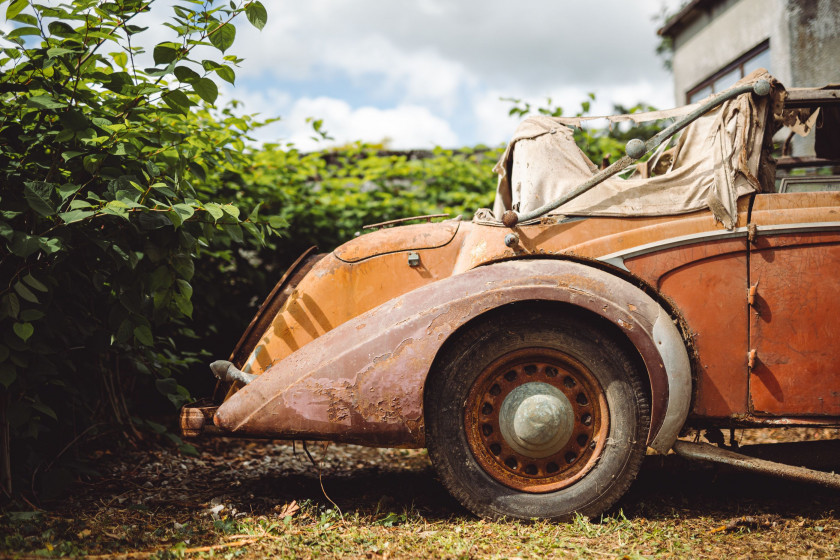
[401, 127]
[438, 67]
[404, 126]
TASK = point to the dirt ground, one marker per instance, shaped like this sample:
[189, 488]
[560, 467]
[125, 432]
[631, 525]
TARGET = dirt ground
[257, 499]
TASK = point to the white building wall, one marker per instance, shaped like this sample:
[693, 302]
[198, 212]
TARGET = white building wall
[732, 33]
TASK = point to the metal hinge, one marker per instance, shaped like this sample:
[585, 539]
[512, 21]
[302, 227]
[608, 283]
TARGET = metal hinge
[751, 294]
[752, 233]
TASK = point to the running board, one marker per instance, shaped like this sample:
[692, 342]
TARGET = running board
[706, 452]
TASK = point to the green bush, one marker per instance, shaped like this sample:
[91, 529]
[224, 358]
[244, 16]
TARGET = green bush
[101, 224]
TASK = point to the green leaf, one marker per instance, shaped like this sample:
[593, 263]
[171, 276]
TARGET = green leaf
[166, 386]
[15, 7]
[39, 197]
[25, 18]
[144, 335]
[23, 330]
[29, 315]
[7, 374]
[49, 245]
[67, 190]
[234, 231]
[206, 89]
[44, 102]
[185, 74]
[75, 215]
[184, 287]
[10, 306]
[232, 210]
[25, 292]
[70, 154]
[120, 58]
[35, 283]
[164, 53]
[24, 245]
[222, 36]
[177, 100]
[256, 14]
[226, 73]
[184, 266]
[185, 211]
[188, 449]
[215, 210]
[184, 305]
[116, 208]
[6, 230]
[61, 29]
[44, 409]
[57, 51]
[23, 31]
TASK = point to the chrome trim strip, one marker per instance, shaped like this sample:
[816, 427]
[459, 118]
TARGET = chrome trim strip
[617, 258]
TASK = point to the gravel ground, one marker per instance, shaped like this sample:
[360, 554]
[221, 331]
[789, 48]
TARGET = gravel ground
[267, 498]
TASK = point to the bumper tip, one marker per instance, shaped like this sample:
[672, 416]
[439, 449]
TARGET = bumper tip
[197, 420]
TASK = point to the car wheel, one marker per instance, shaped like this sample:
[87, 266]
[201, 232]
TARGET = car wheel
[532, 415]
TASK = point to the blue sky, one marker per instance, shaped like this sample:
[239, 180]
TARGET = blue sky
[419, 73]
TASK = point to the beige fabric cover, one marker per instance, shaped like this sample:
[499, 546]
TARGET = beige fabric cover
[715, 163]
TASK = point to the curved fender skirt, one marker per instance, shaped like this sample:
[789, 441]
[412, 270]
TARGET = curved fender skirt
[362, 382]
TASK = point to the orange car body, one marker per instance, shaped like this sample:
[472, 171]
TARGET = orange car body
[736, 327]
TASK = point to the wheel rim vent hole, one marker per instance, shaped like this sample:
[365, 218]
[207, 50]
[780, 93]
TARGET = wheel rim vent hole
[582, 439]
[531, 470]
[495, 390]
[530, 369]
[511, 463]
[487, 429]
[551, 468]
[569, 382]
[582, 400]
[511, 375]
[551, 372]
[570, 457]
[495, 449]
[586, 419]
[487, 409]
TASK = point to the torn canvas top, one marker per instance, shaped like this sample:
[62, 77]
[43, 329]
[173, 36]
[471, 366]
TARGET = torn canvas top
[714, 163]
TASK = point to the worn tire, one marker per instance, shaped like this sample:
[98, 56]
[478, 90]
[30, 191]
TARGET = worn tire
[465, 461]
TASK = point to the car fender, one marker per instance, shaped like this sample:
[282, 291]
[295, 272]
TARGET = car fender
[363, 381]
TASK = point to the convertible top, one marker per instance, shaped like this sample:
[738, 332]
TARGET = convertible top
[715, 162]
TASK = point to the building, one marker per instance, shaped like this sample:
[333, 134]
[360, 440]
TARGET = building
[717, 42]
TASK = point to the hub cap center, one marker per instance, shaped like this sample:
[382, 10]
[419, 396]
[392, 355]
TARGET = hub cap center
[536, 419]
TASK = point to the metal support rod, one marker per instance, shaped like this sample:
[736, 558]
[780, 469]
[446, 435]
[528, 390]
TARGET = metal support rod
[636, 149]
[706, 452]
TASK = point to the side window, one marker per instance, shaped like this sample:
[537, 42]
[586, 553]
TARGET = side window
[807, 149]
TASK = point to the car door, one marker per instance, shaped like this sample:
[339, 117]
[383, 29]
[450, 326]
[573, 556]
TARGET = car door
[794, 275]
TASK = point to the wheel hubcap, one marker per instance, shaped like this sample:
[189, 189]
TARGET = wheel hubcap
[536, 419]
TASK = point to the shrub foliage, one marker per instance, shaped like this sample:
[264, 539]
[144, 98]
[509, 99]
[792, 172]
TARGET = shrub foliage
[139, 228]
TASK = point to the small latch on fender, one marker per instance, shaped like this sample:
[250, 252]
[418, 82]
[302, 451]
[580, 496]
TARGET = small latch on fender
[413, 259]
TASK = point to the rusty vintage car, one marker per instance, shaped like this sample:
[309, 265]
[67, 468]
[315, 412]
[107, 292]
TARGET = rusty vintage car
[541, 348]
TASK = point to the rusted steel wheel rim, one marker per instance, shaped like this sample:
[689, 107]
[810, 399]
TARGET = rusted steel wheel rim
[536, 420]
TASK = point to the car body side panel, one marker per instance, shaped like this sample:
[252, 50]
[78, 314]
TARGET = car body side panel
[363, 381]
[708, 284]
[794, 326]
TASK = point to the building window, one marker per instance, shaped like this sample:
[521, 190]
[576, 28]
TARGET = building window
[758, 57]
